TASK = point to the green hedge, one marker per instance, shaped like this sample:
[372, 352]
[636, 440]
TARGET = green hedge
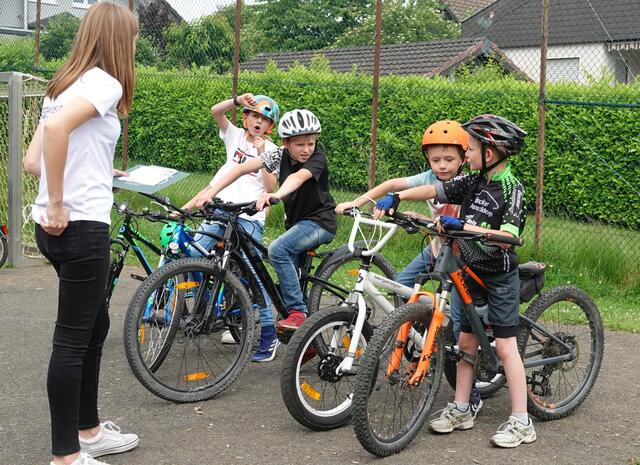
[591, 169]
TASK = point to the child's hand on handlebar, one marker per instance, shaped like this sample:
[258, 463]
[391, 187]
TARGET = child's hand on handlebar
[387, 205]
[341, 207]
[265, 200]
[449, 223]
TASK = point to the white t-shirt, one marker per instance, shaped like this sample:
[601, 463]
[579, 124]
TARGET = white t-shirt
[246, 188]
[88, 171]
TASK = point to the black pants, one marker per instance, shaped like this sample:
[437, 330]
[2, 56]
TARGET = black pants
[80, 256]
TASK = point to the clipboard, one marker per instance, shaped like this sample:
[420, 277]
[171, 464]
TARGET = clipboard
[122, 183]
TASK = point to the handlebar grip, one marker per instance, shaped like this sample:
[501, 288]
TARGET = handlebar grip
[504, 239]
[273, 201]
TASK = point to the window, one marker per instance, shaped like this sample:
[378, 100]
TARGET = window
[563, 69]
[622, 71]
[83, 3]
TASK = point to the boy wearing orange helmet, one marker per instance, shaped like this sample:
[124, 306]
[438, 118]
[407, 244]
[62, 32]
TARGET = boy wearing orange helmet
[443, 144]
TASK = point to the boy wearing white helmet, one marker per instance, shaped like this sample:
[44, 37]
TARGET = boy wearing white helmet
[259, 116]
[310, 220]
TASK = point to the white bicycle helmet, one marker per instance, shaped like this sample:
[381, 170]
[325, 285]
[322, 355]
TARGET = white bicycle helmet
[298, 123]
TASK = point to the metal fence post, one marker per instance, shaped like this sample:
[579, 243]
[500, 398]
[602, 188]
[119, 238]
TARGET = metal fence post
[15, 168]
[541, 124]
[374, 103]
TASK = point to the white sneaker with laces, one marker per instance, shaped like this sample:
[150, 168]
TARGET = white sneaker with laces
[85, 459]
[108, 441]
[451, 418]
[512, 433]
[227, 338]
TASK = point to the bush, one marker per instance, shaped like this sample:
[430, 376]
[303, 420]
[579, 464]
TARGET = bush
[57, 39]
[590, 155]
[16, 54]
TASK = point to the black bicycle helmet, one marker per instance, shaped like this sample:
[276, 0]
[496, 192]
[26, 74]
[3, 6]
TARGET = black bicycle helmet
[498, 132]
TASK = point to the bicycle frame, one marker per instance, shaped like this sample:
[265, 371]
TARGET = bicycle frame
[369, 284]
[448, 272]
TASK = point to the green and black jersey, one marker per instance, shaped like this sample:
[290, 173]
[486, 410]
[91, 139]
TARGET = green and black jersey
[497, 204]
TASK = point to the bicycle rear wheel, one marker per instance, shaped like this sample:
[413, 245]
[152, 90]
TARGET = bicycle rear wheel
[344, 273]
[173, 325]
[564, 314]
[387, 411]
[315, 394]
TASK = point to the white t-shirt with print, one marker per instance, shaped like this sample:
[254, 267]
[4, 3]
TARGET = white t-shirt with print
[248, 187]
[88, 171]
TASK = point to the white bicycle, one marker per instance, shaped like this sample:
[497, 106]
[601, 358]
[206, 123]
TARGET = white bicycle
[322, 356]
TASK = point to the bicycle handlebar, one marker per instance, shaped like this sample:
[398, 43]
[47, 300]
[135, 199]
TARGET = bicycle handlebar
[467, 235]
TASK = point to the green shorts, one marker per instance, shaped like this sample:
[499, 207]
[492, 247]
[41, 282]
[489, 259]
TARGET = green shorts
[503, 296]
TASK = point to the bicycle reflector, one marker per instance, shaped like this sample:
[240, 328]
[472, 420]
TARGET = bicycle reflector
[5, 231]
[197, 376]
[308, 390]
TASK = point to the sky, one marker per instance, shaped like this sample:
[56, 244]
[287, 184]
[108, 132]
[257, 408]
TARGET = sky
[194, 9]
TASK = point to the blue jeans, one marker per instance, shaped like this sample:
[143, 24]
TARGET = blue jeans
[284, 253]
[408, 277]
[256, 230]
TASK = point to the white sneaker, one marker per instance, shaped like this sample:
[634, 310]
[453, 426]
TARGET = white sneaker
[108, 441]
[512, 433]
[451, 418]
[227, 338]
[85, 459]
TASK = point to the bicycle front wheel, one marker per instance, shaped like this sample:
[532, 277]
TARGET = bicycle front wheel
[564, 321]
[317, 394]
[388, 412]
[173, 327]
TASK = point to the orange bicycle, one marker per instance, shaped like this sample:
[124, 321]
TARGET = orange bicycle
[561, 341]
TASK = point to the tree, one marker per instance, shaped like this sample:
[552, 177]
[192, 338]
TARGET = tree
[207, 42]
[251, 34]
[403, 21]
[154, 19]
[307, 24]
[57, 40]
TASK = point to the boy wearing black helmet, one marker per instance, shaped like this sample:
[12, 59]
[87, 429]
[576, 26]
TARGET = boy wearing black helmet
[491, 200]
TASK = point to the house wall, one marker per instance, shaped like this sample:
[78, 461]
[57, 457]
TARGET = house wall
[11, 11]
[592, 59]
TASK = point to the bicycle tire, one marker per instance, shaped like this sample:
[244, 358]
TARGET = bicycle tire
[485, 388]
[342, 272]
[171, 374]
[367, 412]
[306, 384]
[573, 314]
[4, 250]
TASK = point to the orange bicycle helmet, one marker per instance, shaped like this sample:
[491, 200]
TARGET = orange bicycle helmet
[446, 133]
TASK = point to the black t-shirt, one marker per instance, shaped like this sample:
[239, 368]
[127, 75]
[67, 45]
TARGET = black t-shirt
[497, 204]
[312, 200]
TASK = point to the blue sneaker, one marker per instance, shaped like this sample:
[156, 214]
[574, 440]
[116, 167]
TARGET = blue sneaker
[269, 342]
[475, 401]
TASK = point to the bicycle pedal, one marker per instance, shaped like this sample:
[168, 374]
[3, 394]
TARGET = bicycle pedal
[138, 277]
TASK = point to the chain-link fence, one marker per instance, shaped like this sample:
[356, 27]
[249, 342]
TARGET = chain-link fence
[438, 60]
[31, 93]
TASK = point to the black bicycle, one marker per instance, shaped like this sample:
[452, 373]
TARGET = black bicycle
[4, 244]
[192, 300]
[561, 341]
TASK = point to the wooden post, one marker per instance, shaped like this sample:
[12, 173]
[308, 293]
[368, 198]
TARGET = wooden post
[374, 103]
[236, 57]
[36, 48]
[541, 124]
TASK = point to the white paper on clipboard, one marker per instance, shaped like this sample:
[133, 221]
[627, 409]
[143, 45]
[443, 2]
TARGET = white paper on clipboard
[150, 175]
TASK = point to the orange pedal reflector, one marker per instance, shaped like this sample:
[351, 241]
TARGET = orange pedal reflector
[196, 376]
[187, 285]
[308, 390]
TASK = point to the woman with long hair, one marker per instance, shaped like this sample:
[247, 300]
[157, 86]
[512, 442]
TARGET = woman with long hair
[72, 152]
